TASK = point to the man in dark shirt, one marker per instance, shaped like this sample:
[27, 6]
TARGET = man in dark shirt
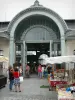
[11, 78]
[49, 69]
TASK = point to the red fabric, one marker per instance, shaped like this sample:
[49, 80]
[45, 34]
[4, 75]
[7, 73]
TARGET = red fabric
[39, 68]
[16, 74]
[73, 84]
[54, 83]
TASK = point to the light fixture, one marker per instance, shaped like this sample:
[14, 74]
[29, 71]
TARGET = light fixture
[28, 62]
[34, 62]
[38, 51]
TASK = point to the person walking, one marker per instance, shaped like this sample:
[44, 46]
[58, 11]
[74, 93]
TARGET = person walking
[27, 71]
[17, 80]
[49, 72]
[11, 78]
[21, 70]
[40, 71]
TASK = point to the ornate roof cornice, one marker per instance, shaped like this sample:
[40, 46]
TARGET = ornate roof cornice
[37, 7]
[36, 4]
[4, 34]
[70, 34]
[3, 29]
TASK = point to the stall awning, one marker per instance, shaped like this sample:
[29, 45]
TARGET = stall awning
[59, 59]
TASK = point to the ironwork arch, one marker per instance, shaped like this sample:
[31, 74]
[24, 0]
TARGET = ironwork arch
[51, 32]
[33, 10]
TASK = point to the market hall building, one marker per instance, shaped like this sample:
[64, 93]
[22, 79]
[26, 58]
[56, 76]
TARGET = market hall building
[34, 31]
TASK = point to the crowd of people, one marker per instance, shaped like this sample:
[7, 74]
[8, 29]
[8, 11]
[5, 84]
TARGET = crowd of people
[45, 71]
[16, 72]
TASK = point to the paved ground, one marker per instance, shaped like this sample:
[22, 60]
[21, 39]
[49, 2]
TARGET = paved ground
[30, 91]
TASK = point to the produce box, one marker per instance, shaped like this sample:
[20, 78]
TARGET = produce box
[61, 86]
[63, 95]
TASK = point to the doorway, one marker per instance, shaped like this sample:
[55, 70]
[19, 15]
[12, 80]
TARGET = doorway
[29, 52]
[34, 50]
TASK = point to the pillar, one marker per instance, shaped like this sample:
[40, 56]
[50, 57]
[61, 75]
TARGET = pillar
[25, 54]
[22, 53]
[23, 58]
[55, 49]
[50, 48]
[11, 51]
[63, 49]
[63, 46]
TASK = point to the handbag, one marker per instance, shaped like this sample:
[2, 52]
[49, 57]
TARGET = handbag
[21, 78]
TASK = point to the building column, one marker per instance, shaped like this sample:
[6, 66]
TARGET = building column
[11, 51]
[55, 49]
[63, 46]
[14, 52]
[23, 58]
[22, 53]
[25, 55]
[50, 48]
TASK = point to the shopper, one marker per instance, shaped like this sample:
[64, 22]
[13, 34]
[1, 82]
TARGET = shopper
[27, 71]
[17, 80]
[49, 71]
[11, 78]
[40, 71]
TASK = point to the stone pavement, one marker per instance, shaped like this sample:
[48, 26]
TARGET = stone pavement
[30, 91]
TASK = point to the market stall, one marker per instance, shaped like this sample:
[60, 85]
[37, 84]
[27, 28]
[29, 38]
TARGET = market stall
[58, 79]
[3, 70]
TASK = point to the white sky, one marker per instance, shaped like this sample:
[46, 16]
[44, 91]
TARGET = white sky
[9, 8]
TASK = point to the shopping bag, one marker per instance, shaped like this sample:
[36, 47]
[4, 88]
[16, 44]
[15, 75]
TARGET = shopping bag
[21, 78]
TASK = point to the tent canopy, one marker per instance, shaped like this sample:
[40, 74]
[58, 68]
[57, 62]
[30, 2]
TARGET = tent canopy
[59, 59]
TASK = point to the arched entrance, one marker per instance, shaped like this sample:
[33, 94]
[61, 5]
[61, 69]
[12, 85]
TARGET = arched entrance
[33, 26]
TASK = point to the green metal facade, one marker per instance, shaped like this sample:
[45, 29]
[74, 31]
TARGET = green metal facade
[36, 24]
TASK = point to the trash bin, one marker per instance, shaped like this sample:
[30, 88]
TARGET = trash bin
[3, 81]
